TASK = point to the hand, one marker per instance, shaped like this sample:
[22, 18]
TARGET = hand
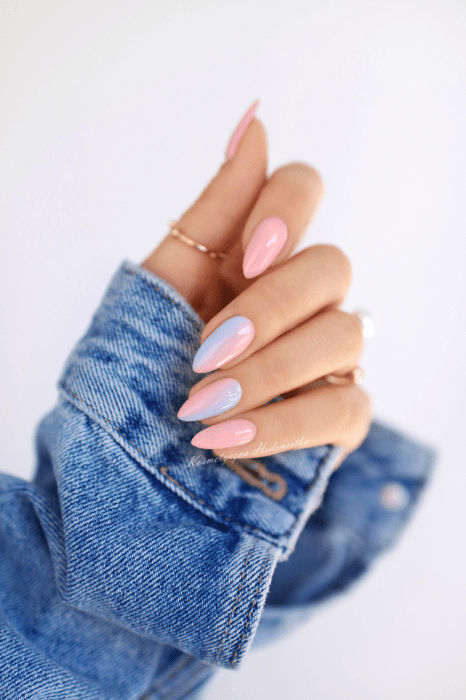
[276, 331]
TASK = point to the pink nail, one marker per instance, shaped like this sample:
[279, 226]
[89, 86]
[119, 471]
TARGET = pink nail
[225, 343]
[240, 129]
[213, 399]
[226, 434]
[266, 243]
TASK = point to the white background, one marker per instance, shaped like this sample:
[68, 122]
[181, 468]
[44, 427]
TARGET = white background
[116, 113]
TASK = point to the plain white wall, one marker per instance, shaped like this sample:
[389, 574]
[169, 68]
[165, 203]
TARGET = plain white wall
[115, 114]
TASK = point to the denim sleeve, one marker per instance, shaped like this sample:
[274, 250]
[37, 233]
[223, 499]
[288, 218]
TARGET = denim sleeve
[135, 563]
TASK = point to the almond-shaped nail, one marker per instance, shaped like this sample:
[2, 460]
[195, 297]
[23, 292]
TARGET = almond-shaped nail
[213, 399]
[266, 243]
[240, 129]
[227, 434]
[226, 342]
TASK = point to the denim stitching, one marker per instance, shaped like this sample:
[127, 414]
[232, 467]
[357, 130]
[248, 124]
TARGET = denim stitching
[193, 496]
[261, 485]
[309, 488]
[163, 469]
[244, 469]
[165, 296]
[170, 478]
[189, 318]
[253, 604]
[240, 587]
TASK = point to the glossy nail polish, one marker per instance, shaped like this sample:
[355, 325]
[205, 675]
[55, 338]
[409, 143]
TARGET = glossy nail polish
[213, 399]
[227, 434]
[266, 243]
[240, 129]
[226, 342]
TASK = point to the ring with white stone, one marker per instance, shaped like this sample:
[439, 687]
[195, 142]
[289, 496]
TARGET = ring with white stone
[367, 322]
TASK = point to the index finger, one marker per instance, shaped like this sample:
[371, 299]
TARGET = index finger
[215, 219]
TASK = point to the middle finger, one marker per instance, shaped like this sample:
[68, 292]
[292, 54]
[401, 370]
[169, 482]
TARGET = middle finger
[314, 278]
[279, 218]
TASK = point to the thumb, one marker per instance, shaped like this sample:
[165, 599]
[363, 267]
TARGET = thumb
[216, 218]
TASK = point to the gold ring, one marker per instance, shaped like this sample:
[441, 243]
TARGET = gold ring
[174, 231]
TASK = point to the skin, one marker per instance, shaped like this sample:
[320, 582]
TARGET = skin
[301, 332]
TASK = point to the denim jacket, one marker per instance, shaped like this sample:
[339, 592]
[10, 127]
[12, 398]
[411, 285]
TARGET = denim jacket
[135, 563]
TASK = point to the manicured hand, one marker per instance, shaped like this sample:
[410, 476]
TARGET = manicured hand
[274, 326]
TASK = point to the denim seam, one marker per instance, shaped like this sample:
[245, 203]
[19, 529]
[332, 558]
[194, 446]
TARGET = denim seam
[254, 529]
[253, 604]
[244, 469]
[167, 476]
[240, 587]
[165, 296]
[276, 538]
[309, 488]
[262, 485]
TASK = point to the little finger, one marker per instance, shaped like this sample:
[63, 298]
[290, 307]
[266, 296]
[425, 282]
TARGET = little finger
[337, 415]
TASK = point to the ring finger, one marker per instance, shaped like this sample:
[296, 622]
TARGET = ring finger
[330, 341]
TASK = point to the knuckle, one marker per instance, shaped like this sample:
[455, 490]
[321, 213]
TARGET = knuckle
[303, 181]
[363, 405]
[365, 418]
[334, 262]
[354, 414]
[344, 408]
[351, 332]
[300, 168]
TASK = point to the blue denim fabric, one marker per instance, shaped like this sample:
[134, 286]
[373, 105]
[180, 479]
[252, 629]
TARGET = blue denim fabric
[132, 566]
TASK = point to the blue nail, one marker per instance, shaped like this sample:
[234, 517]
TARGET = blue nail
[226, 342]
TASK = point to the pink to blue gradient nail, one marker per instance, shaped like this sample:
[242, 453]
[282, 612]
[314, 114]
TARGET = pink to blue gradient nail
[227, 434]
[213, 399]
[227, 341]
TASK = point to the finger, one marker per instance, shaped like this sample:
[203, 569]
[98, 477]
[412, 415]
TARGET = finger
[216, 218]
[280, 216]
[336, 415]
[326, 343]
[314, 278]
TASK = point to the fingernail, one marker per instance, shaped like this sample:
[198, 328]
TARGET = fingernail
[227, 434]
[267, 241]
[227, 341]
[240, 129]
[216, 398]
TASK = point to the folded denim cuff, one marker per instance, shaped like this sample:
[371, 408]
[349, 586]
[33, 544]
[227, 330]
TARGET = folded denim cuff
[200, 536]
[133, 370]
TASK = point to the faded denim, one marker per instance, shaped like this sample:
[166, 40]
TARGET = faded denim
[130, 567]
